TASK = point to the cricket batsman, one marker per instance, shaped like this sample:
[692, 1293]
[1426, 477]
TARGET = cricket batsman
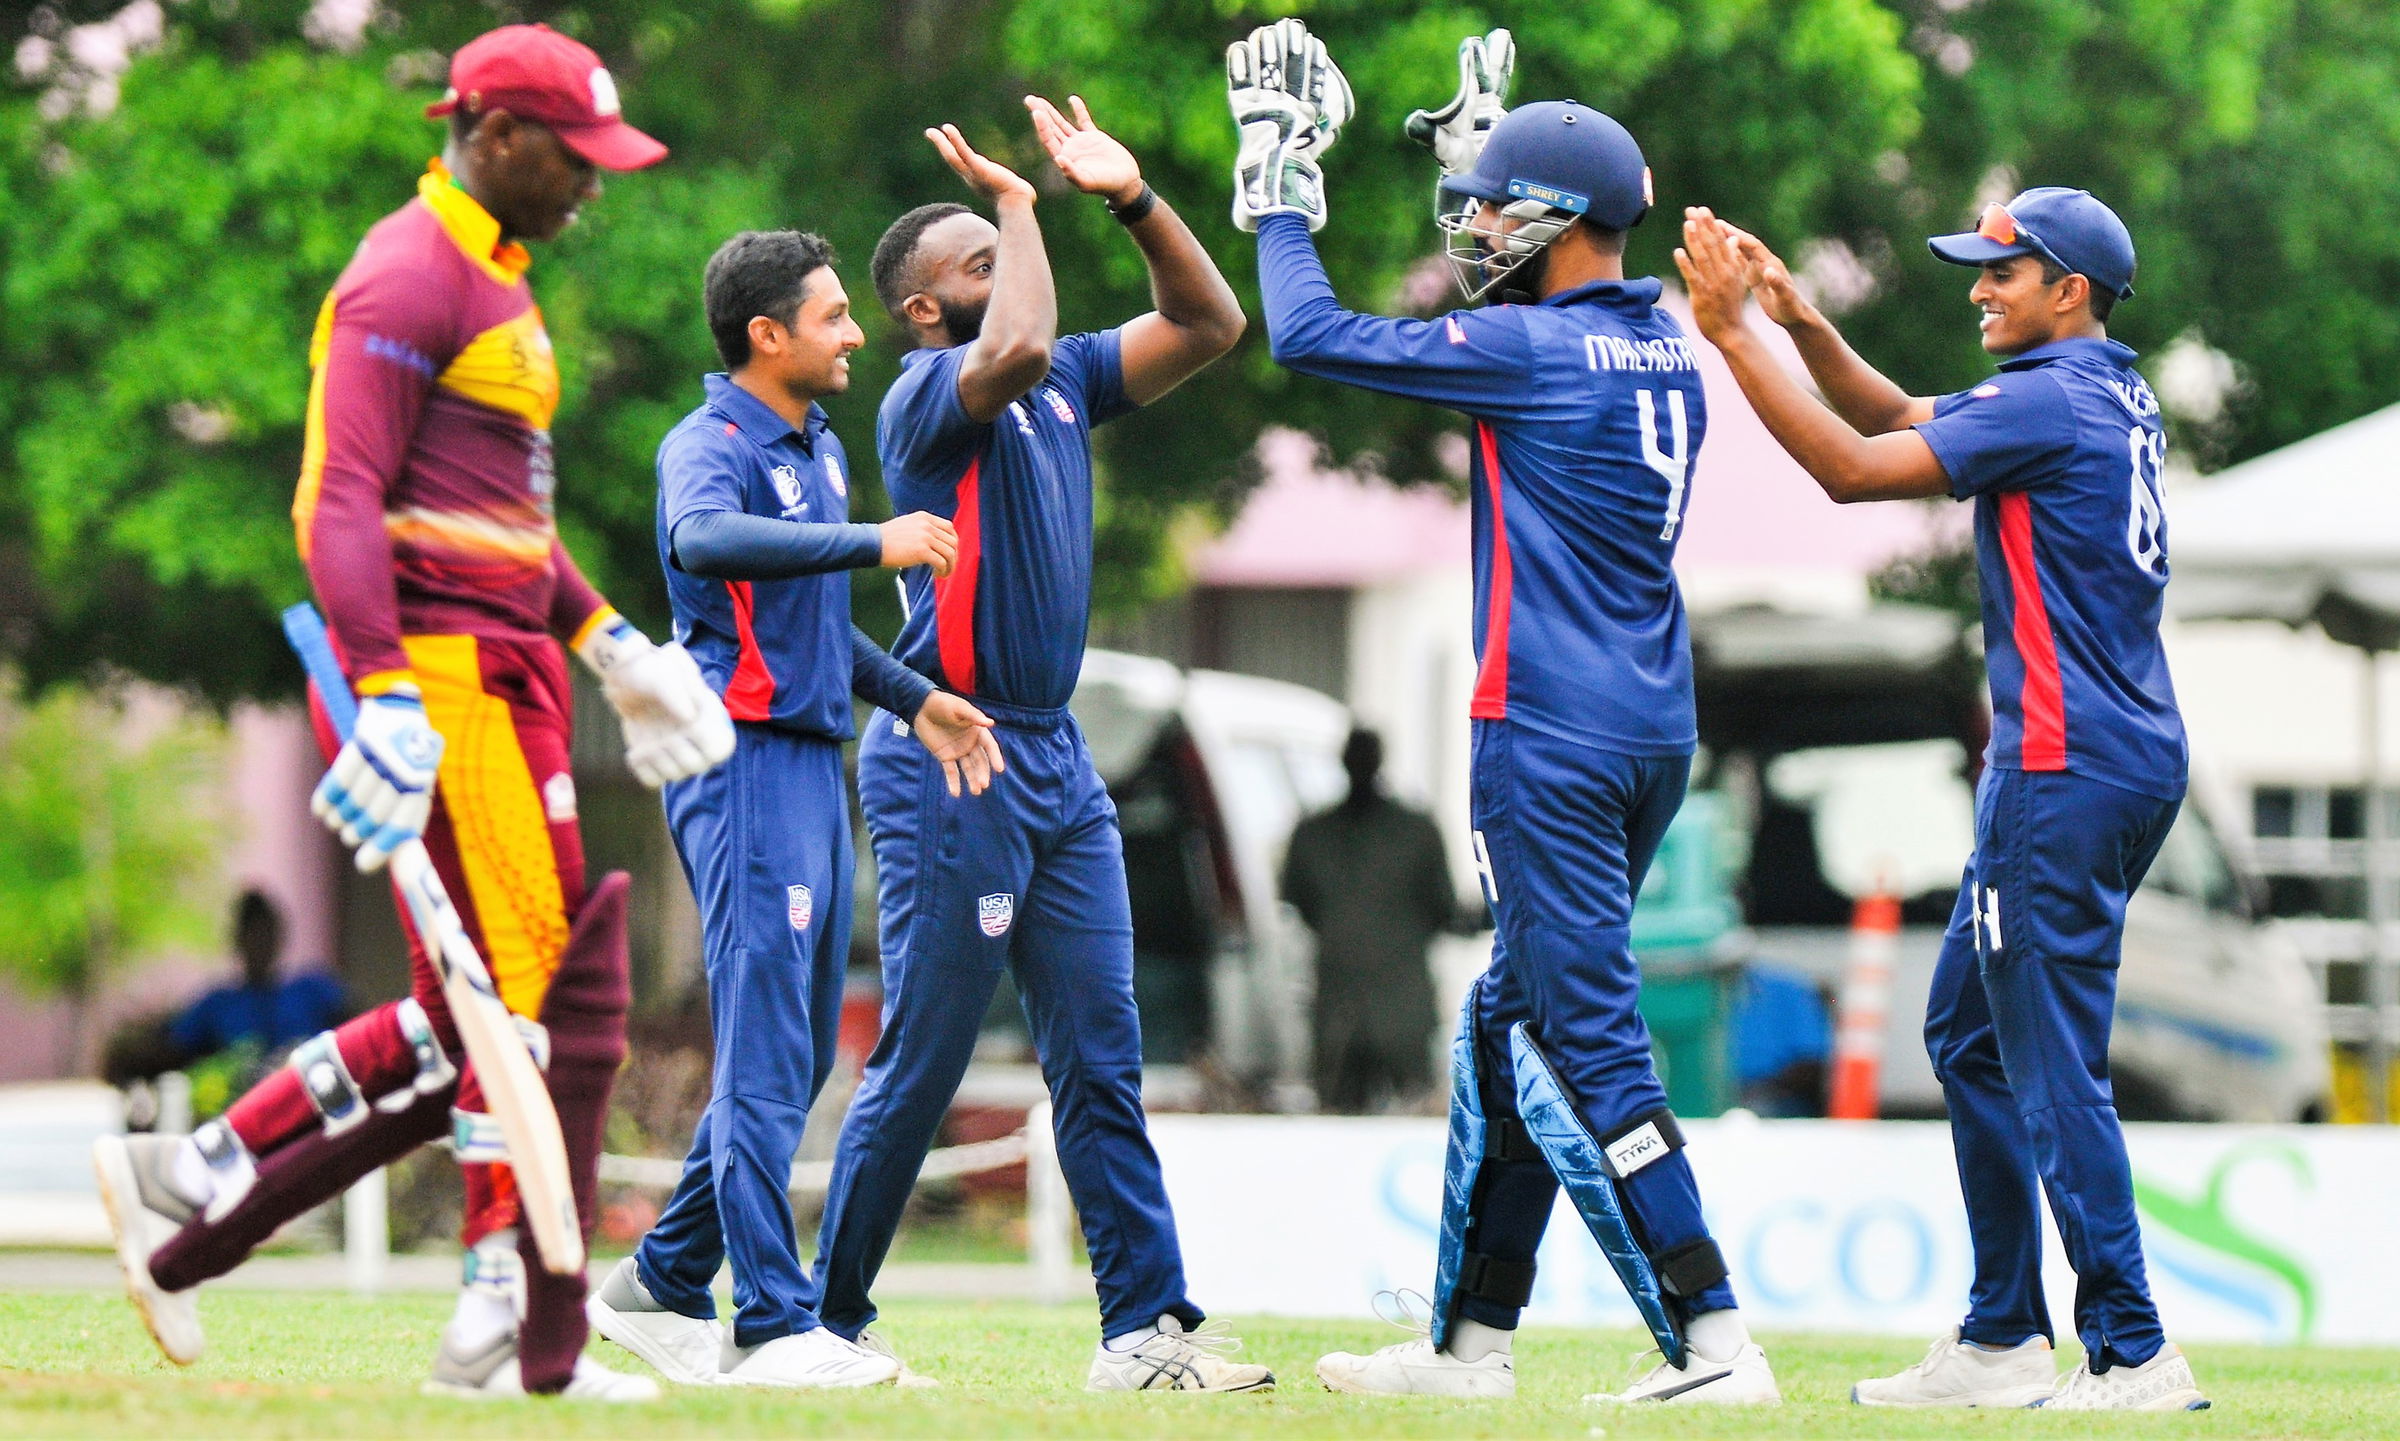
[2063, 454]
[1587, 412]
[424, 516]
[754, 534]
[990, 425]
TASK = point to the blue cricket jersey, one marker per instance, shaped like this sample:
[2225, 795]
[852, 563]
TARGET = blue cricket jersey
[2063, 454]
[1008, 622]
[778, 651]
[1588, 413]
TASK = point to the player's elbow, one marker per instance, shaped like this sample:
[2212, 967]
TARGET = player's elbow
[1017, 364]
[1220, 333]
[1294, 345]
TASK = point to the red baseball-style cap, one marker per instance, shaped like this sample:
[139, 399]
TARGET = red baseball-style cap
[534, 72]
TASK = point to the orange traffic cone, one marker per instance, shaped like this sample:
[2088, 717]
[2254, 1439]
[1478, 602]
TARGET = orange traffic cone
[1865, 1005]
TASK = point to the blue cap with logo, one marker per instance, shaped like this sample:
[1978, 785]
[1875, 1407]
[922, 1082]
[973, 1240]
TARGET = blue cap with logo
[2068, 228]
[1565, 155]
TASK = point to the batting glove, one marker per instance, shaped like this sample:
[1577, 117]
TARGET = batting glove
[1290, 102]
[1456, 132]
[379, 792]
[675, 726]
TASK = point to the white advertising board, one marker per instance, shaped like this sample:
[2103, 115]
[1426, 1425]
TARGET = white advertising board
[2253, 1233]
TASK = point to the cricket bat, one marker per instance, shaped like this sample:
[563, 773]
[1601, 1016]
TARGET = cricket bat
[512, 1084]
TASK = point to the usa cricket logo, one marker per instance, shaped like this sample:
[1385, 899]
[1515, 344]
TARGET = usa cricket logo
[799, 905]
[1059, 406]
[995, 913]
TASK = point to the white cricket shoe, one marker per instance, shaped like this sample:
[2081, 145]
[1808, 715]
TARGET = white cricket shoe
[818, 1359]
[875, 1345]
[489, 1373]
[1960, 1373]
[145, 1210]
[2162, 1383]
[1745, 1380]
[682, 1348]
[1173, 1359]
[1416, 1368]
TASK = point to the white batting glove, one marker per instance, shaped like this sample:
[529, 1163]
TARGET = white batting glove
[379, 792]
[1456, 132]
[675, 726]
[1290, 101]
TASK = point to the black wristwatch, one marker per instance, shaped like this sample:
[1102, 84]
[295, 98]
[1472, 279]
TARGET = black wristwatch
[1136, 210]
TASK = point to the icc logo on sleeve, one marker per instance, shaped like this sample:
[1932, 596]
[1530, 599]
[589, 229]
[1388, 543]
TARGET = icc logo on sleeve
[994, 913]
[800, 906]
[833, 473]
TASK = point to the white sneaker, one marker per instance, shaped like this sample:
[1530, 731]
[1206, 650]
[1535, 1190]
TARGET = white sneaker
[1745, 1380]
[1415, 1368]
[1173, 1359]
[490, 1373]
[682, 1348]
[875, 1345]
[2162, 1383]
[818, 1359]
[145, 1211]
[1960, 1373]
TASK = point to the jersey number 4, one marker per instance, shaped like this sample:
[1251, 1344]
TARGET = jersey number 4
[2148, 515]
[1673, 465]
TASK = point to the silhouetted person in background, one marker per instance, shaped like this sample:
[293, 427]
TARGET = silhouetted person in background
[258, 1008]
[1370, 878]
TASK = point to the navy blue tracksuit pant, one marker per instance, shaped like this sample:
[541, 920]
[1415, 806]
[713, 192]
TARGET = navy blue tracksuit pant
[1029, 875]
[765, 842]
[2018, 1027]
[1564, 834]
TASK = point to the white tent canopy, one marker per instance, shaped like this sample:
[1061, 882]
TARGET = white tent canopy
[2310, 532]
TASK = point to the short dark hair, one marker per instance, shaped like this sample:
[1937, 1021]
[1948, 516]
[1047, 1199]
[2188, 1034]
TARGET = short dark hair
[758, 272]
[894, 268]
[2104, 300]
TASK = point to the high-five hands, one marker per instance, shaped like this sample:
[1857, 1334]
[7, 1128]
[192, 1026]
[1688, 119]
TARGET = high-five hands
[1455, 133]
[960, 737]
[1291, 102]
[1714, 275]
[1093, 160]
[987, 176]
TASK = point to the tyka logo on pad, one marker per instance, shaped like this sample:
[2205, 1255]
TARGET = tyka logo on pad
[995, 913]
[800, 906]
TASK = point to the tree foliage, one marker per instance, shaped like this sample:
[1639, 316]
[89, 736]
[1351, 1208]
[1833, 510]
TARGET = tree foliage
[163, 261]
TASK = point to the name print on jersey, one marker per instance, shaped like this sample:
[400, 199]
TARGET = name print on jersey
[1618, 352]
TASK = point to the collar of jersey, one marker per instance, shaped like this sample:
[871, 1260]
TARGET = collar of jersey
[469, 226]
[756, 418]
[1615, 294]
[2116, 354]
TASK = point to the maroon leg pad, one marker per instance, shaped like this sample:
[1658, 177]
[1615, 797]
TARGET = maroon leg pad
[277, 1108]
[305, 1173]
[585, 1014]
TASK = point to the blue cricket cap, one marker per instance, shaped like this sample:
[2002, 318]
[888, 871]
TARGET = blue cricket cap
[2068, 228]
[1565, 155]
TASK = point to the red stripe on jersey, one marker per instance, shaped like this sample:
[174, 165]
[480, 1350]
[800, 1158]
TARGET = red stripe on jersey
[750, 694]
[954, 594]
[1491, 679]
[2043, 702]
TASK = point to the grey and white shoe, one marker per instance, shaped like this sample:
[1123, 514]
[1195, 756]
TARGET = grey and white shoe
[2162, 1383]
[1746, 1380]
[489, 1372]
[805, 1360]
[683, 1348]
[1173, 1359]
[874, 1345]
[145, 1210]
[1960, 1373]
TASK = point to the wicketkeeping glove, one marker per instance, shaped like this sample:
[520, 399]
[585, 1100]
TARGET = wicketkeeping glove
[1456, 132]
[379, 792]
[675, 726]
[1291, 103]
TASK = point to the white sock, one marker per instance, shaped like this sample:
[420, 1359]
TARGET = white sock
[1125, 1341]
[1471, 1341]
[481, 1315]
[1717, 1336]
[188, 1170]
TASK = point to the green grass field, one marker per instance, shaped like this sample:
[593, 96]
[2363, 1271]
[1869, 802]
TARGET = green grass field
[313, 1367]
